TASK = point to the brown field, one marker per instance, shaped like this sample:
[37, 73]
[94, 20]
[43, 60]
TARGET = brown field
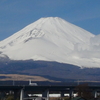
[18, 77]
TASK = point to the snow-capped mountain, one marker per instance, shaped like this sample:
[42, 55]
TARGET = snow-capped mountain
[52, 39]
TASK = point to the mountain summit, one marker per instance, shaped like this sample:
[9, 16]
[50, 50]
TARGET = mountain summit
[51, 39]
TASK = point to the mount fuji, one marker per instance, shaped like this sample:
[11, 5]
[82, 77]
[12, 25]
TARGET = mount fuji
[53, 39]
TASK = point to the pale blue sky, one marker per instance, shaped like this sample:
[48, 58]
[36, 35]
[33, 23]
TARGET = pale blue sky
[16, 14]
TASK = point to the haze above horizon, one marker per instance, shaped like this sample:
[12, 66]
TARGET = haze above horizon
[15, 15]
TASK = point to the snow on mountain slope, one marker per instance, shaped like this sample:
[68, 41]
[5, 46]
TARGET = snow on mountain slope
[51, 39]
[95, 40]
